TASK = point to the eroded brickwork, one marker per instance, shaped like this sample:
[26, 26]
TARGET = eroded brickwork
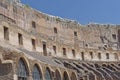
[60, 48]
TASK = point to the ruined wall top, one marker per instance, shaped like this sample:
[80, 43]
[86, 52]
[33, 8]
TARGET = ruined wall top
[18, 1]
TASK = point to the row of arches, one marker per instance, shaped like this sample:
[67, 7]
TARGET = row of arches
[23, 73]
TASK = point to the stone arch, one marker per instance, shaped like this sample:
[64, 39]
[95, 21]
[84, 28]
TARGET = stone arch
[112, 64]
[23, 70]
[104, 65]
[57, 75]
[97, 65]
[37, 72]
[26, 62]
[111, 67]
[119, 64]
[73, 76]
[48, 75]
[65, 76]
[115, 56]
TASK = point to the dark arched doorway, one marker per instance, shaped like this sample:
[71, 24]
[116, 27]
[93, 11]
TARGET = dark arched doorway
[36, 74]
[57, 75]
[73, 76]
[65, 76]
[22, 70]
[48, 74]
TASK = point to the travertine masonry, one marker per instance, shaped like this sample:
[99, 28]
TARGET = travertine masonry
[55, 48]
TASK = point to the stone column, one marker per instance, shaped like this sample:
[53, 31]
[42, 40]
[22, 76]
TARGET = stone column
[30, 76]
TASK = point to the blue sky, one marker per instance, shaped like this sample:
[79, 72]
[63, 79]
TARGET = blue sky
[84, 11]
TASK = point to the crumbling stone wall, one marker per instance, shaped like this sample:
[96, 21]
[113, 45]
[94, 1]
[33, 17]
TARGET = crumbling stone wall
[9, 71]
[70, 34]
[6, 71]
[65, 47]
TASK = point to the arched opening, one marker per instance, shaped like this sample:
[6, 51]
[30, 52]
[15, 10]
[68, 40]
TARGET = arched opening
[33, 24]
[73, 76]
[64, 52]
[115, 56]
[96, 65]
[73, 52]
[75, 33]
[112, 64]
[91, 55]
[82, 55]
[48, 74]
[57, 75]
[104, 65]
[107, 56]
[44, 49]
[65, 76]
[22, 70]
[54, 49]
[119, 65]
[36, 74]
[99, 55]
[55, 30]
[6, 33]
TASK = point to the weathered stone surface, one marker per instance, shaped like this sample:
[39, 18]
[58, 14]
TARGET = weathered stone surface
[67, 49]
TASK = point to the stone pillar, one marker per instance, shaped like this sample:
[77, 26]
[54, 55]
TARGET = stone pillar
[30, 76]
[15, 77]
